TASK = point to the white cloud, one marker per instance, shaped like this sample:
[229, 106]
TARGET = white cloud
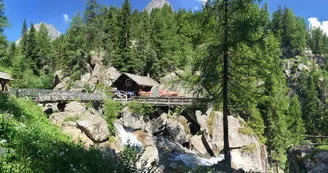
[196, 8]
[201, 1]
[315, 23]
[66, 18]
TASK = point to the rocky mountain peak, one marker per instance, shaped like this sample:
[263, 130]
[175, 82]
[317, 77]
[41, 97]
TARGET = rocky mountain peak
[52, 31]
[156, 4]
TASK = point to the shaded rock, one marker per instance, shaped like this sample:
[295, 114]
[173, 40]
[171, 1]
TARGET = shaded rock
[150, 156]
[94, 126]
[174, 165]
[305, 158]
[63, 85]
[157, 125]
[196, 144]
[132, 120]
[177, 131]
[165, 144]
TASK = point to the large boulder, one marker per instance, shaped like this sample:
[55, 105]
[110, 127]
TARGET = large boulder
[306, 158]
[197, 145]
[157, 125]
[173, 82]
[63, 85]
[150, 154]
[75, 107]
[58, 118]
[240, 136]
[77, 136]
[94, 126]
[177, 129]
[132, 121]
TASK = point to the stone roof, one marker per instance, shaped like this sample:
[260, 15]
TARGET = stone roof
[5, 76]
[142, 80]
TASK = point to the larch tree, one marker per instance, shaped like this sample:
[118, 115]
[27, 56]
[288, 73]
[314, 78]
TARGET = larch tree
[241, 26]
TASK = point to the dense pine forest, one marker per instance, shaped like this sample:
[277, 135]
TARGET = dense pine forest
[262, 51]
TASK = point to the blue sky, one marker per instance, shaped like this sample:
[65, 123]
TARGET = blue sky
[52, 11]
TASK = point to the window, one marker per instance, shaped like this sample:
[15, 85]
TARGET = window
[128, 82]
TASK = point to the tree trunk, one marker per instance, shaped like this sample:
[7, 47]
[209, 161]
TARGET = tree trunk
[226, 148]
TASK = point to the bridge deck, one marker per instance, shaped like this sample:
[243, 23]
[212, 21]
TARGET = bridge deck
[49, 96]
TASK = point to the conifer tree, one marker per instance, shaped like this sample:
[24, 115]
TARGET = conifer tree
[124, 61]
[31, 54]
[44, 47]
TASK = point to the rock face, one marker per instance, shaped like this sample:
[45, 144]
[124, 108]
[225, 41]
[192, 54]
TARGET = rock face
[172, 82]
[157, 125]
[94, 126]
[132, 121]
[53, 33]
[307, 159]
[177, 131]
[86, 126]
[156, 4]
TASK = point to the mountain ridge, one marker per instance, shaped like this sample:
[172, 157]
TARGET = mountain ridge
[156, 4]
[53, 33]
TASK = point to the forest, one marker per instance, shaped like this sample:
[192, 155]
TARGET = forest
[257, 46]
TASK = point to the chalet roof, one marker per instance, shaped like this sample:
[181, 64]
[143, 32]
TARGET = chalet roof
[5, 76]
[142, 80]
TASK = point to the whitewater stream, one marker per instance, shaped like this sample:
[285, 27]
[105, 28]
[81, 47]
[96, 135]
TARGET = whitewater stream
[190, 159]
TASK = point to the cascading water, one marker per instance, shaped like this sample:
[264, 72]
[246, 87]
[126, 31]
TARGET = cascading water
[126, 136]
[194, 160]
[190, 159]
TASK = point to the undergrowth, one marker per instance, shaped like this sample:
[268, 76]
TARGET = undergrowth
[29, 143]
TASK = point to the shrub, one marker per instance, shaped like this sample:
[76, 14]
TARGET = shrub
[32, 144]
[111, 112]
[73, 119]
[210, 121]
[245, 130]
[145, 109]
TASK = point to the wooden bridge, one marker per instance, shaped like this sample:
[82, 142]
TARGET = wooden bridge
[51, 96]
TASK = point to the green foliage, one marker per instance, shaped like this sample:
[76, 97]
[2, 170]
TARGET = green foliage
[32, 144]
[246, 131]
[144, 109]
[73, 119]
[111, 112]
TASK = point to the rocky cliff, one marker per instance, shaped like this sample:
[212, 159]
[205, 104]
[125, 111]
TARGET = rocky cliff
[156, 4]
[306, 158]
[53, 33]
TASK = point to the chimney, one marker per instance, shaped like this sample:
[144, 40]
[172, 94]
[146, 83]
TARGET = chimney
[148, 75]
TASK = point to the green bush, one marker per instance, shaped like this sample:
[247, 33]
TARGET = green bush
[145, 109]
[111, 112]
[30, 143]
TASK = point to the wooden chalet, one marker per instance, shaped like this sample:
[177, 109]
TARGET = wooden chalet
[134, 83]
[4, 79]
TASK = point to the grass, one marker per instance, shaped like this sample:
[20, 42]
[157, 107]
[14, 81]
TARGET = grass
[33, 144]
[246, 130]
[210, 121]
[248, 148]
[72, 119]
[322, 147]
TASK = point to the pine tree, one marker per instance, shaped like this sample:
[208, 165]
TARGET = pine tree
[24, 37]
[31, 54]
[124, 61]
[295, 121]
[44, 47]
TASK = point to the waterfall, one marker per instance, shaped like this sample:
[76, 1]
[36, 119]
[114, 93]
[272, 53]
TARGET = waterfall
[126, 136]
[194, 160]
